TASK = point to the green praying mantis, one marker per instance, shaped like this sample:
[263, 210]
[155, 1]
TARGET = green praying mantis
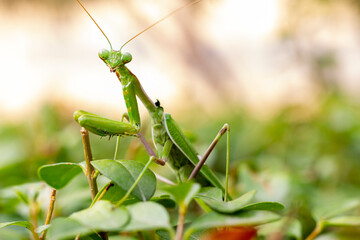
[172, 147]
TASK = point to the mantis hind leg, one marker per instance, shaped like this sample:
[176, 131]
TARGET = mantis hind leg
[225, 128]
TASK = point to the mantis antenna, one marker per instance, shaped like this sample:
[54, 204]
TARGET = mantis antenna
[160, 20]
[152, 25]
[95, 24]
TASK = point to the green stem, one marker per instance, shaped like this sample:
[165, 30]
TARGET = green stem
[34, 234]
[135, 183]
[90, 171]
[227, 163]
[318, 229]
[101, 193]
[33, 217]
[50, 212]
[199, 165]
[140, 235]
[117, 147]
[88, 158]
[181, 220]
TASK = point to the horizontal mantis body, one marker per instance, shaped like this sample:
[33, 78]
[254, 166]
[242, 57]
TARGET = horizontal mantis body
[171, 145]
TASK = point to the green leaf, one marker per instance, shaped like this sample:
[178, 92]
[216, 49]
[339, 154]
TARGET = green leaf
[22, 196]
[230, 206]
[214, 220]
[343, 221]
[122, 238]
[29, 192]
[210, 193]
[102, 216]
[240, 204]
[93, 236]
[147, 216]
[125, 172]
[269, 206]
[164, 200]
[24, 224]
[59, 174]
[163, 235]
[42, 228]
[64, 228]
[183, 193]
[292, 228]
[342, 208]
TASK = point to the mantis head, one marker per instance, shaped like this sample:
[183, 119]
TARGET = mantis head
[114, 59]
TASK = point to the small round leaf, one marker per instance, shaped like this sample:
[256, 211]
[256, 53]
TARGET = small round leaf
[59, 174]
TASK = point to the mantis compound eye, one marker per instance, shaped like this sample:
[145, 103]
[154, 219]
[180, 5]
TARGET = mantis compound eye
[126, 57]
[104, 54]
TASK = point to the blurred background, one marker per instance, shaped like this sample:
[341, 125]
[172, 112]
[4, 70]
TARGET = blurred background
[284, 74]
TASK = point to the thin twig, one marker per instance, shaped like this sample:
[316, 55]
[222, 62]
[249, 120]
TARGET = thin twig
[34, 234]
[90, 171]
[117, 147]
[50, 212]
[208, 151]
[195, 172]
[140, 235]
[122, 200]
[33, 213]
[34, 209]
[227, 162]
[318, 229]
[181, 220]
[101, 194]
[88, 158]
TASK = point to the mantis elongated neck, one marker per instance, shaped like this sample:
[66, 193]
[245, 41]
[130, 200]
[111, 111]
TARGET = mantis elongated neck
[126, 77]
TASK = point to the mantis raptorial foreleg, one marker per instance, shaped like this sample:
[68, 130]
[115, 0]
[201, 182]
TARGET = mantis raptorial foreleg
[106, 127]
[147, 146]
[103, 126]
